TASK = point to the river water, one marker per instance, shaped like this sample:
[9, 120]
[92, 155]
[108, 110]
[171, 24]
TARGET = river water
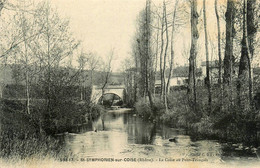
[123, 135]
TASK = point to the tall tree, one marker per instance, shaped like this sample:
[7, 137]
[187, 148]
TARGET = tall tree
[219, 44]
[230, 33]
[161, 52]
[244, 86]
[53, 47]
[148, 51]
[165, 56]
[145, 53]
[228, 59]
[93, 64]
[193, 55]
[82, 60]
[25, 24]
[207, 80]
[251, 40]
[219, 54]
[156, 51]
[172, 45]
[135, 53]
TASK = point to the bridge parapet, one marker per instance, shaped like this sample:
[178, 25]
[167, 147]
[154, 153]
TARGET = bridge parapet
[110, 87]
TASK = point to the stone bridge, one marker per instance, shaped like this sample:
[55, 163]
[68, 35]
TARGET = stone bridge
[110, 89]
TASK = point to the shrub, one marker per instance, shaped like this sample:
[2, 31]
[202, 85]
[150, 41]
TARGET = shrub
[143, 109]
[204, 126]
[20, 136]
[179, 113]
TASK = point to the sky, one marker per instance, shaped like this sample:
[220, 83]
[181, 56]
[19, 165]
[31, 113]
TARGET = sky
[103, 25]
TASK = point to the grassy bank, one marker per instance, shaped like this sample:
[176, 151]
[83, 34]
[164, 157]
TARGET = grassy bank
[33, 135]
[226, 123]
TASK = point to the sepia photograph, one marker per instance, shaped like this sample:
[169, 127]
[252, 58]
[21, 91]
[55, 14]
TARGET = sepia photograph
[129, 83]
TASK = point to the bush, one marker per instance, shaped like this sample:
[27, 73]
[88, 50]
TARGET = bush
[143, 109]
[204, 127]
[96, 110]
[179, 113]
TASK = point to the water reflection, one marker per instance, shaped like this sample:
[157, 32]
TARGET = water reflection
[125, 135]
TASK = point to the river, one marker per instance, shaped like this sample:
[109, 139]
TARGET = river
[125, 136]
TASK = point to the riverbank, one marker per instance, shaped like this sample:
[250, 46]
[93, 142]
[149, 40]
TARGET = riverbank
[24, 135]
[229, 126]
[127, 136]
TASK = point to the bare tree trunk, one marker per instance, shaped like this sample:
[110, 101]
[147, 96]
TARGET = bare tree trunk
[231, 80]
[207, 55]
[104, 85]
[142, 70]
[172, 52]
[193, 55]
[243, 66]
[164, 59]
[219, 55]
[244, 86]
[135, 80]
[228, 59]
[161, 54]
[229, 41]
[148, 53]
[251, 34]
[156, 53]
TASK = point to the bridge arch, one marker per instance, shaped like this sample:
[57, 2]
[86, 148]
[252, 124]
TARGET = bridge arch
[110, 89]
[111, 99]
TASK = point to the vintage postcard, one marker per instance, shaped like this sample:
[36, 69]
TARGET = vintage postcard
[129, 83]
